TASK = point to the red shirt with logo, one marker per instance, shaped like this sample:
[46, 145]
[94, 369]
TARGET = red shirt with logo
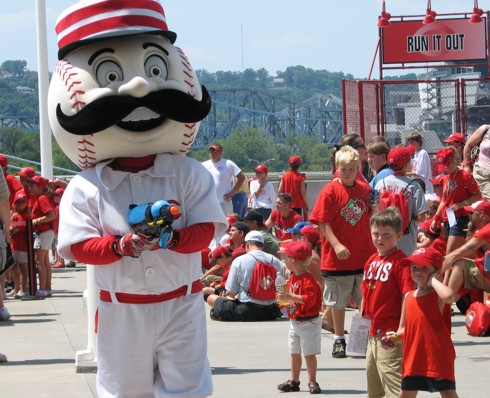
[383, 288]
[306, 286]
[458, 187]
[282, 224]
[346, 209]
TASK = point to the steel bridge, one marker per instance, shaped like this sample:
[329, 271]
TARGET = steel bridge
[319, 117]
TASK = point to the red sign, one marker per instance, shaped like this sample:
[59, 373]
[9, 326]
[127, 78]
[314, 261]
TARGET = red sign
[443, 40]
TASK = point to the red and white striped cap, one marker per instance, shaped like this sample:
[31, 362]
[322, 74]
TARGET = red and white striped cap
[91, 20]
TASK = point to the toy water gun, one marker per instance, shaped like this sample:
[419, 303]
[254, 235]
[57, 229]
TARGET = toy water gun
[154, 220]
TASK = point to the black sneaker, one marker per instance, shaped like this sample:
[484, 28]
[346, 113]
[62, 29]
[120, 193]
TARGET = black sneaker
[212, 315]
[339, 349]
[314, 387]
[289, 386]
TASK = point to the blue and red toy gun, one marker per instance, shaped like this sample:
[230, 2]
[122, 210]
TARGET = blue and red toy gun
[154, 220]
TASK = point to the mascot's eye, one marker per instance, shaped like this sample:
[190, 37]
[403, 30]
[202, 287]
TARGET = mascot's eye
[155, 66]
[108, 72]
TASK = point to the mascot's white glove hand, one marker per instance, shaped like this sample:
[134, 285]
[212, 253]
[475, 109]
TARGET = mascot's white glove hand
[133, 244]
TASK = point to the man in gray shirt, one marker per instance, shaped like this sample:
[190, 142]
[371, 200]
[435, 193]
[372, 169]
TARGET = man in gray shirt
[243, 307]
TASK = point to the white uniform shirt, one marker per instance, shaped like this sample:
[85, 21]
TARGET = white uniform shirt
[96, 203]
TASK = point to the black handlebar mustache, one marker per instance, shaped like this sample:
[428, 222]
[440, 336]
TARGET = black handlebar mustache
[105, 112]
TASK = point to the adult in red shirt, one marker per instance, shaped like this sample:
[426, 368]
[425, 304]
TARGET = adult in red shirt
[467, 273]
[12, 182]
[282, 217]
[42, 215]
[293, 183]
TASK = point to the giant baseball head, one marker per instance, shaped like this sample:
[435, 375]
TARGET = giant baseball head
[121, 88]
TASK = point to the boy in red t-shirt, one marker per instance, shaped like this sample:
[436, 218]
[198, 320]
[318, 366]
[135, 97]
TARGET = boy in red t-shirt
[304, 298]
[383, 288]
[18, 244]
[342, 211]
[428, 351]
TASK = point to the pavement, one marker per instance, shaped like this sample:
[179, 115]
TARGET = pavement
[248, 359]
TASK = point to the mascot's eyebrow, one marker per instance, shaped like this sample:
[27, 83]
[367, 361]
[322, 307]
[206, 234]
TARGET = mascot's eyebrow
[146, 45]
[98, 52]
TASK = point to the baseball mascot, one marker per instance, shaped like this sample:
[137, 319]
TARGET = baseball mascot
[125, 106]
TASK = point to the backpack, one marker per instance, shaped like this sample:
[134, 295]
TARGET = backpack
[262, 283]
[478, 319]
[388, 198]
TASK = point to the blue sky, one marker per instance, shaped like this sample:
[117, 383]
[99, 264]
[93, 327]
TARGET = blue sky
[336, 35]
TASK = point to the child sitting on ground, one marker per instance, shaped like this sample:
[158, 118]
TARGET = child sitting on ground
[304, 298]
[428, 351]
[383, 288]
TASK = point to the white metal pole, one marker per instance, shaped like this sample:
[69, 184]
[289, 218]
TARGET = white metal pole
[43, 82]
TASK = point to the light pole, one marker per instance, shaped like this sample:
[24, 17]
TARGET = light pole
[264, 162]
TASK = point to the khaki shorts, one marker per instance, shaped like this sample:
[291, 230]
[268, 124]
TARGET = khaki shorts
[305, 336]
[20, 257]
[473, 278]
[383, 369]
[339, 290]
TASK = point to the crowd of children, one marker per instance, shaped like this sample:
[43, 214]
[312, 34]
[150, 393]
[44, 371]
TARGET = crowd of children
[36, 200]
[394, 278]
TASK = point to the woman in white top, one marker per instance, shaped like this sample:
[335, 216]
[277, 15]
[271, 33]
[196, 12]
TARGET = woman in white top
[481, 166]
[420, 162]
[262, 195]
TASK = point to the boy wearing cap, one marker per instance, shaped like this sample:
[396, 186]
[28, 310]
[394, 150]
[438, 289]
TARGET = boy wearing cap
[245, 308]
[459, 189]
[304, 298]
[383, 288]
[293, 183]
[428, 351]
[18, 244]
[342, 211]
[399, 162]
[228, 177]
[262, 195]
[220, 260]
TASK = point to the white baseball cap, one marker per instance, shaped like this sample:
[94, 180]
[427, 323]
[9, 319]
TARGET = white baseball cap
[254, 236]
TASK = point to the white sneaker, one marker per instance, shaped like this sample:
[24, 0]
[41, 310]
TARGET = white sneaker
[20, 294]
[4, 314]
[12, 293]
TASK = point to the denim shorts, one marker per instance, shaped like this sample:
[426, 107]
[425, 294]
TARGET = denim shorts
[459, 228]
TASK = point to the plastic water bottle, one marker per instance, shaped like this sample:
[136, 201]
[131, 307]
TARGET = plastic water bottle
[281, 288]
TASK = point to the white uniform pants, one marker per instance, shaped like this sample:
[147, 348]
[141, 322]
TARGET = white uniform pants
[153, 350]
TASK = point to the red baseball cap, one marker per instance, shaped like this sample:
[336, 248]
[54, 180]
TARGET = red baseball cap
[262, 168]
[410, 149]
[437, 180]
[27, 172]
[216, 147]
[310, 233]
[456, 137]
[481, 205]
[41, 181]
[444, 157]
[231, 220]
[4, 161]
[398, 157]
[424, 257]
[20, 195]
[295, 249]
[426, 226]
[217, 253]
[294, 161]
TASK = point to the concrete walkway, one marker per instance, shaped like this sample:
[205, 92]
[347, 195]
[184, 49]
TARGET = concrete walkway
[248, 359]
